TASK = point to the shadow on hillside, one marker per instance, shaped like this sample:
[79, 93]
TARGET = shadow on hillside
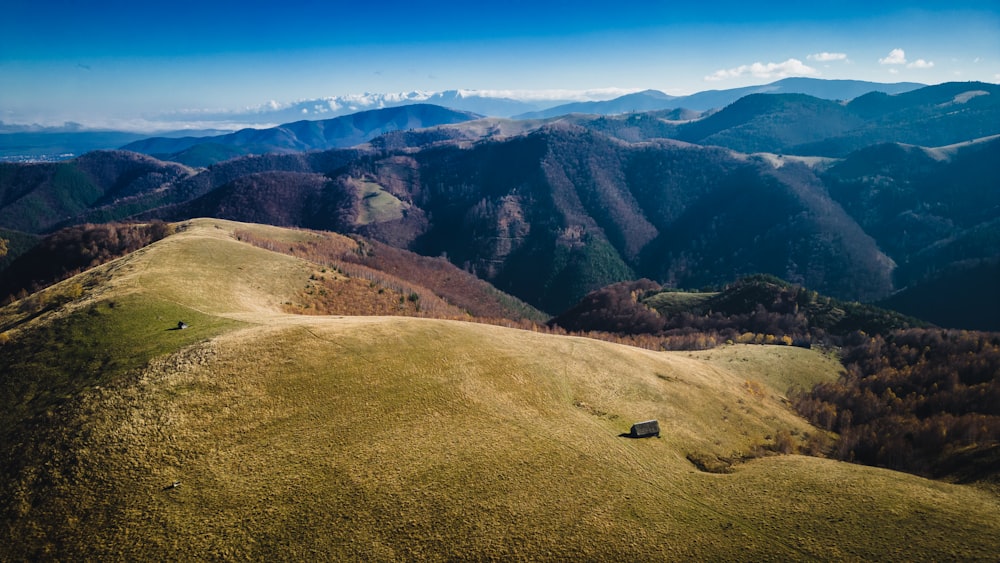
[632, 437]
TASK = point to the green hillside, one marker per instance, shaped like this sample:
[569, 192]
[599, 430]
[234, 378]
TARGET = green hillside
[256, 434]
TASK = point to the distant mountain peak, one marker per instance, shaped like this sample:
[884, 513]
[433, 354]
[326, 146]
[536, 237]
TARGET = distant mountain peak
[654, 94]
[715, 99]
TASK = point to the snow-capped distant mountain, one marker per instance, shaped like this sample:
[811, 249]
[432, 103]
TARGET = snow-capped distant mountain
[476, 101]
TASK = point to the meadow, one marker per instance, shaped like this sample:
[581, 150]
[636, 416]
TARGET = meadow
[260, 434]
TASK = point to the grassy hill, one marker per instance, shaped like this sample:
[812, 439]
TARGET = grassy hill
[259, 434]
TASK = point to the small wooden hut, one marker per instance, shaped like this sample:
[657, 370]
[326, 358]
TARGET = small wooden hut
[646, 429]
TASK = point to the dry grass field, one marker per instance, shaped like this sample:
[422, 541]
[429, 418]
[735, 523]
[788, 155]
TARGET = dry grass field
[257, 434]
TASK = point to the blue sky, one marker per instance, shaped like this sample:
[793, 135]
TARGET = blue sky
[111, 62]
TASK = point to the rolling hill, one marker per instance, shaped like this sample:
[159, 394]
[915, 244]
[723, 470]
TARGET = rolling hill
[646, 100]
[254, 433]
[806, 125]
[300, 136]
[771, 122]
[37, 197]
[752, 308]
[105, 186]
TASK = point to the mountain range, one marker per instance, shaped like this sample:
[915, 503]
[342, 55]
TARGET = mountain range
[807, 125]
[345, 131]
[650, 100]
[494, 105]
[797, 124]
[18, 142]
[548, 210]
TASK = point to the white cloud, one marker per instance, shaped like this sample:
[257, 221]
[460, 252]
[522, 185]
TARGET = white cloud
[896, 57]
[920, 63]
[593, 94]
[893, 71]
[791, 67]
[825, 57]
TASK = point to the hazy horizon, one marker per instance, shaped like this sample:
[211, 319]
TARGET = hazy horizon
[122, 63]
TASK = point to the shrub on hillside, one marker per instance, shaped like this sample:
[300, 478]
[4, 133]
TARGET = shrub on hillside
[614, 308]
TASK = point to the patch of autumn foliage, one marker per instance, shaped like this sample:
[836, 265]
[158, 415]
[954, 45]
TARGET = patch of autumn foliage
[926, 401]
[759, 309]
[409, 283]
[72, 250]
[350, 289]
